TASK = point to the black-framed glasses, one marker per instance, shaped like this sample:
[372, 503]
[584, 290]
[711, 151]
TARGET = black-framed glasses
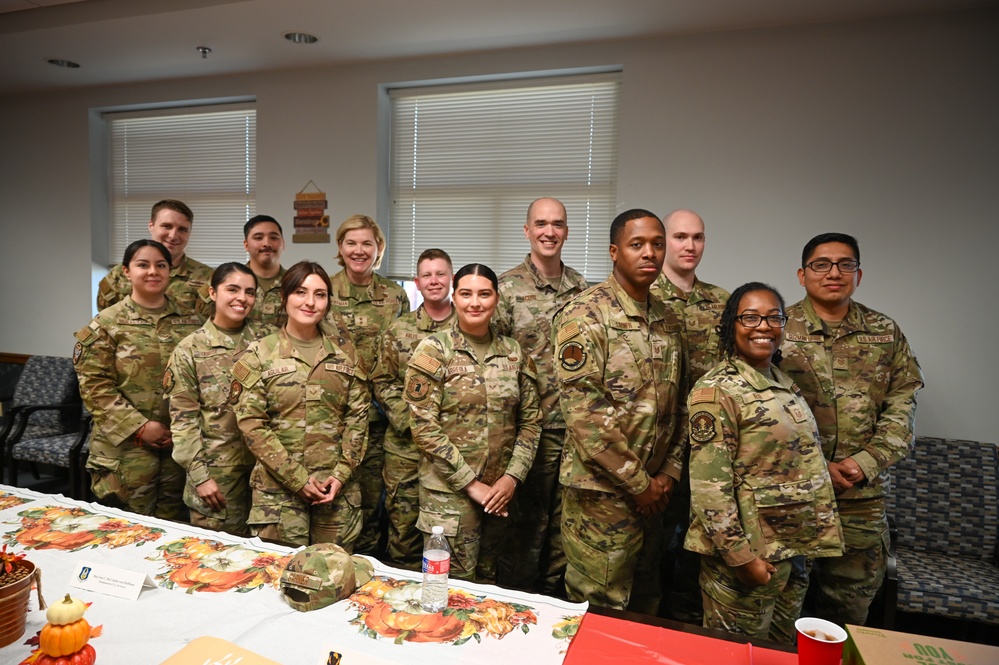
[754, 320]
[824, 265]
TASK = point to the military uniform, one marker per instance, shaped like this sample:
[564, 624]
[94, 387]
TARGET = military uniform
[302, 417]
[472, 420]
[759, 489]
[120, 360]
[186, 280]
[207, 442]
[402, 458]
[527, 305]
[621, 373]
[266, 313]
[364, 319]
[700, 311]
[860, 381]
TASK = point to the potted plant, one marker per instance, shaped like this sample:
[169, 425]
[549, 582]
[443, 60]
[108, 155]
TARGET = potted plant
[16, 576]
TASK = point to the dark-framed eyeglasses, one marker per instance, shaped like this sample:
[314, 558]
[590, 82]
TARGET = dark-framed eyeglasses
[824, 265]
[754, 320]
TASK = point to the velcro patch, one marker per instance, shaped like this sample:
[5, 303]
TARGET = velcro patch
[168, 381]
[875, 339]
[798, 337]
[340, 367]
[572, 356]
[567, 332]
[77, 352]
[417, 387]
[428, 364]
[704, 395]
[235, 390]
[702, 427]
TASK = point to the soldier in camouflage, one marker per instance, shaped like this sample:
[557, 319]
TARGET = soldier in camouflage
[169, 224]
[698, 305]
[475, 415]
[120, 360]
[860, 378]
[402, 458]
[301, 401]
[206, 440]
[620, 363]
[530, 294]
[762, 501]
[362, 305]
[263, 240]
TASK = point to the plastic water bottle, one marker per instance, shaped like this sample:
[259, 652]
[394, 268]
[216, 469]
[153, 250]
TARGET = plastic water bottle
[436, 564]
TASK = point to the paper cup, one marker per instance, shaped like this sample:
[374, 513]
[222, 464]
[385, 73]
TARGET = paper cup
[820, 642]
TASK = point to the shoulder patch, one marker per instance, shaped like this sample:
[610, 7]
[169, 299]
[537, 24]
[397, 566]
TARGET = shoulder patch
[417, 387]
[77, 352]
[168, 381]
[567, 332]
[702, 395]
[87, 336]
[426, 363]
[702, 427]
[235, 390]
[572, 356]
[240, 371]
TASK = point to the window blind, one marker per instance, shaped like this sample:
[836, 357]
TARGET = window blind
[466, 161]
[205, 157]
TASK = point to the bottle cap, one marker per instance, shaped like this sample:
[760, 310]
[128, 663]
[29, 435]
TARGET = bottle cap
[438, 530]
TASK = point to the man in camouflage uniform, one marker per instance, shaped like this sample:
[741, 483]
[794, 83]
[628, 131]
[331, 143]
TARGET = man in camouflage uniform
[170, 224]
[206, 440]
[860, 378]
[698, 305]
[475, 421]
[306, 422]
[530, 294]
[620, 363]
[402, 457]
[120, 360]
[263, 240]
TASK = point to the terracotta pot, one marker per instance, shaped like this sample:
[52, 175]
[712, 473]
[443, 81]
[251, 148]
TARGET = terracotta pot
[14, 606]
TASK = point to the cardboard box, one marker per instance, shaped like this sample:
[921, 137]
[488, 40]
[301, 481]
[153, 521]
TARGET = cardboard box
[874, 646]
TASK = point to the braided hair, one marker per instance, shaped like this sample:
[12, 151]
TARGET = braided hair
[726, 328]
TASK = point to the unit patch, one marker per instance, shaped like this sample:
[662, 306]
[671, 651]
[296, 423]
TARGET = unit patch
[235, 390]
[417, 388]
[572, 356]
[168, 380]
[77, 352]
[702, 427]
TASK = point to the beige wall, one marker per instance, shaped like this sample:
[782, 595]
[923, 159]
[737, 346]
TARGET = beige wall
[887, 130]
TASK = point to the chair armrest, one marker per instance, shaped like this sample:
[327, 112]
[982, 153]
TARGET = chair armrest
[890, 584]
[18, 421]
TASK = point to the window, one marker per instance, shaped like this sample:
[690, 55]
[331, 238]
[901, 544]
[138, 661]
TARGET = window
[205, 156]
[466, 161]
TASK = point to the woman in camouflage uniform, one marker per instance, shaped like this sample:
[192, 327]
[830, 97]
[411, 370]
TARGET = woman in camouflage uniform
[362, 305]
[475, 415]
[762, 501]
[120, 358]
[301, 401]
[206, 440]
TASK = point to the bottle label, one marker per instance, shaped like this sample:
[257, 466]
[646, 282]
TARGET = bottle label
[440, 567]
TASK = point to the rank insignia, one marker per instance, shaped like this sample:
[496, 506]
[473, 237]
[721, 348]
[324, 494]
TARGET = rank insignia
[77, 352]
[235, 390]
[417, 388]
[168, 380]
[572, 356]
[702, 427]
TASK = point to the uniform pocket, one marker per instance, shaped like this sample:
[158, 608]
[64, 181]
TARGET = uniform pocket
[787, 513]
[106, 478]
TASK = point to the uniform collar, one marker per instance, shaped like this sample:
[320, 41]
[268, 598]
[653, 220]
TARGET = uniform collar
[497, 347]
[853, 322]
[656, 309]
[286, 347]
[424, 322]
[757, 380]
[566, 282]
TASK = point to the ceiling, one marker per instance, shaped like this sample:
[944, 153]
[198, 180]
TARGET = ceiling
[122, 41]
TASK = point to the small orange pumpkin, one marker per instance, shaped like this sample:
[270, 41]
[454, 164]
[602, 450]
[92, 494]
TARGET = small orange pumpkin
[63, 640]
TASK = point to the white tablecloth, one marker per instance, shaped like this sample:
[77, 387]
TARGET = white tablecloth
[219, 585]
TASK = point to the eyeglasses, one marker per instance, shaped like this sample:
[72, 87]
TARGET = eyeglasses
[754, 320]
[822, 265]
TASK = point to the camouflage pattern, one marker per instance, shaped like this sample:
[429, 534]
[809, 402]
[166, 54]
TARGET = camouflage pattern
[759, 486]
[475, 538]
[266, 313]
[402, 458]
[860, 381]
[766, 612]
[300, 418]
[364, 320]
[120, 360]
[527, 305]
[207, 442]
[700, 311]
[186, 280]
[472, 420]
[621, 374]
[320, 575]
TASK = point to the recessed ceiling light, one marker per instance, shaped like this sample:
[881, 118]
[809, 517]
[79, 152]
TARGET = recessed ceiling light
[301, 37]
[58, 62]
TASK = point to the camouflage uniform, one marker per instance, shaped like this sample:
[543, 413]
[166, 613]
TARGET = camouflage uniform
[527, 305]
[700, 311]
[621, 374]
[302, 417]
[472, 420]
[364, 320]
[206, 441]
[120, 358]
[402, 458]
[861, 382]
[759, 489]
[186, 280]
[266, 313]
